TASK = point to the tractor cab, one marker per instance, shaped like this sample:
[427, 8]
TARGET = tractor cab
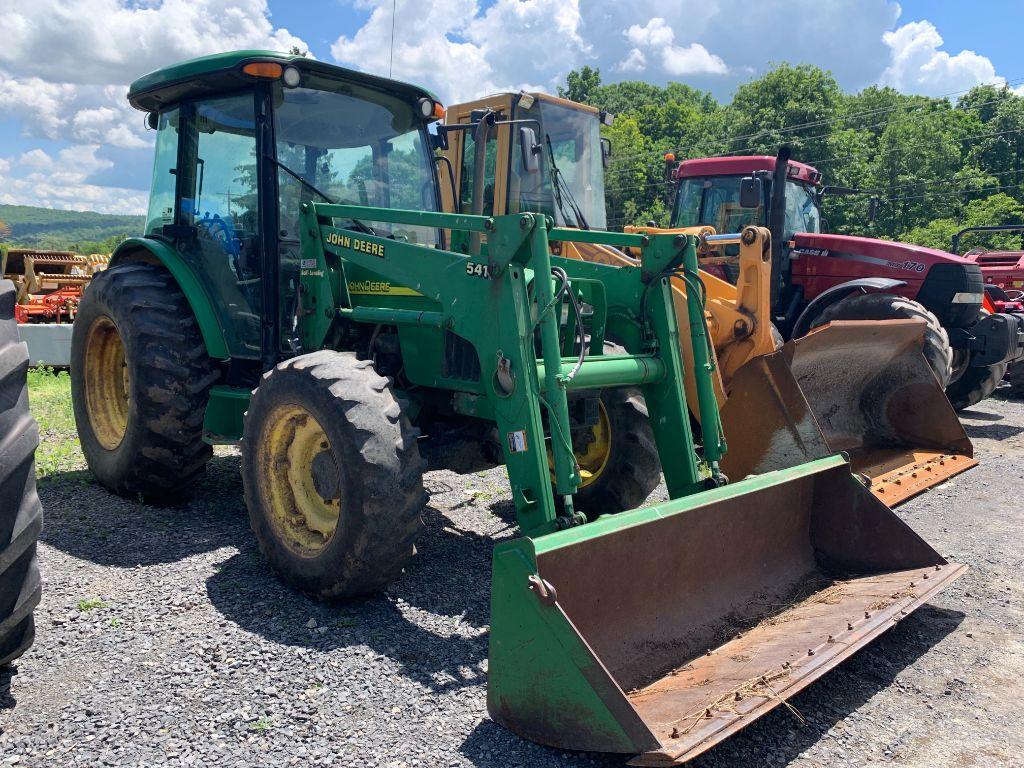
[542, 155]
[710, 193]
[243, 140]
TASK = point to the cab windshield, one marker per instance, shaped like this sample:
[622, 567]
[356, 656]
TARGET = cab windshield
[353, 145]
[715, 201]
[570, 185]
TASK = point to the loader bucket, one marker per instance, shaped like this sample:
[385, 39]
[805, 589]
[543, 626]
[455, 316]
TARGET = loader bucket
[662, 631]
[863, 388]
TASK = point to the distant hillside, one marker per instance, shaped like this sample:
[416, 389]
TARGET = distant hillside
[82, 231]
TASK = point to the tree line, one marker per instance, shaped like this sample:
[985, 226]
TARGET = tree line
[935, 165]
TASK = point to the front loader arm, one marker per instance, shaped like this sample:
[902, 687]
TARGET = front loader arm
[516, 335]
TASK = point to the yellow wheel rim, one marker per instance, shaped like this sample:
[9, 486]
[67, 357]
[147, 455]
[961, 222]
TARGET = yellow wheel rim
[301, 481]
[593, 457]
[107, 383]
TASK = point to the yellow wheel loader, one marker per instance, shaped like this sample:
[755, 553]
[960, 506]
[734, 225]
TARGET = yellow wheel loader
[863, 388]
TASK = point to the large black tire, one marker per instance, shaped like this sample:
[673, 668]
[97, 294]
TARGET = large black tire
[976, 384]
[21, 515]
[367, 463]
[161, 452]
[885, 306]
[1015, 378]
[632, 468]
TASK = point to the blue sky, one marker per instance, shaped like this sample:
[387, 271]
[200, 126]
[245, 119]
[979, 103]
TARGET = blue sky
[69, 140]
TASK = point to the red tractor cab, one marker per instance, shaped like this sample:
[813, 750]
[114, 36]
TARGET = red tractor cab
[819, 277]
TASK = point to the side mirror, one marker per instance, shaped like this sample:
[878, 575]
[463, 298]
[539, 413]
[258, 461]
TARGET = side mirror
[751, 192]
[606, 152]
[439, 140]
[529, 148]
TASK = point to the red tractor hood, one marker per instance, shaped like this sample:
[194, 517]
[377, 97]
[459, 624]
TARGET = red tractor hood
[886, 250]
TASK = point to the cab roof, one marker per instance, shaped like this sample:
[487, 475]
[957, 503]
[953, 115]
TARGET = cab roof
[742, 166]
[220, 72]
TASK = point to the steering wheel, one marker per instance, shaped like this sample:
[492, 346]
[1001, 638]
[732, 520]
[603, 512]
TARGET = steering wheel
[222, 232]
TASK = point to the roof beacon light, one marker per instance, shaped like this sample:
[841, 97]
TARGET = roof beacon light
[267, 69]
[292, 77]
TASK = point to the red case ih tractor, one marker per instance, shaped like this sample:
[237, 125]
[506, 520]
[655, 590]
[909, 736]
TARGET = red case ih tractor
[818, 277]
[1003, 273]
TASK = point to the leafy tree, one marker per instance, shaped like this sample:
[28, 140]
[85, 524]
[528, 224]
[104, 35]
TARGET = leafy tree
[580, 84]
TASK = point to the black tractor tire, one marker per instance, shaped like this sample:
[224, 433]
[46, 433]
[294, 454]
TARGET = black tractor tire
[976, 384]
[885, 306]
[21, 514]
[632, 469]
[1015, 378]
[167, 381]
[369, 461]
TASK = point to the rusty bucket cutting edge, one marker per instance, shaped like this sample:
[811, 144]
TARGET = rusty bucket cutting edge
[661, 631]
[864, 388]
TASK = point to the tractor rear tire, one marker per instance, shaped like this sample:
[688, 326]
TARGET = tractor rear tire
[332, 474]
[21, 514]
[629, 469]
[140, 383]
[1015, 378]
[976, 384]
[885, 306]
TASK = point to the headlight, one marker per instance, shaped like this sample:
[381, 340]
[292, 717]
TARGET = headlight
[292, 77]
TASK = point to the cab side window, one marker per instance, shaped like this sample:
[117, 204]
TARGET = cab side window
[220, 203]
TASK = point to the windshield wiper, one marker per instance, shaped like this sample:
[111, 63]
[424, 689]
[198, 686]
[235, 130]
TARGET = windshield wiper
[359, 225]
[561, 186]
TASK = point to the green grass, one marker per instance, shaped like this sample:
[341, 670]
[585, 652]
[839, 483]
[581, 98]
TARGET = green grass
[84, 606]
[49, 396]
[262, 725]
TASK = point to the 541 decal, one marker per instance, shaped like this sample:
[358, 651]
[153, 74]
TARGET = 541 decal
[478, 270]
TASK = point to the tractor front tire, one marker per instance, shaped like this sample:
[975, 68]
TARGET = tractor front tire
[619, 459]
[21, 515]
[332, 474]
[885, 306]
[974, 385]
[140, 383]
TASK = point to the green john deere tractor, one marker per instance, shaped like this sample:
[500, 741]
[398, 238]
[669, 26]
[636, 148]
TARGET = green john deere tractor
[297, 291]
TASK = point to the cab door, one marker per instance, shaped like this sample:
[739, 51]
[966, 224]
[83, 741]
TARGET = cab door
[219, 208]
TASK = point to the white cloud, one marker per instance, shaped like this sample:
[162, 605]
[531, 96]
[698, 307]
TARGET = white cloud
[37, 178]
[692, 59]
[656, 33]
[463, 52]
[100, 42]
[676, 60]
[634, 62]
[918, 66]
[65, 66]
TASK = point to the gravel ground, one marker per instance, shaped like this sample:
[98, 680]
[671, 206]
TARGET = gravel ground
[163, 639]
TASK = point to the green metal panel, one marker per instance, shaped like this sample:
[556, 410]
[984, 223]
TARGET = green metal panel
[148, 249]
[222, 422]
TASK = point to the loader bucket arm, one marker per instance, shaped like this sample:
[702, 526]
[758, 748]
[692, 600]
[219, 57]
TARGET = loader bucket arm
[860, 387]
